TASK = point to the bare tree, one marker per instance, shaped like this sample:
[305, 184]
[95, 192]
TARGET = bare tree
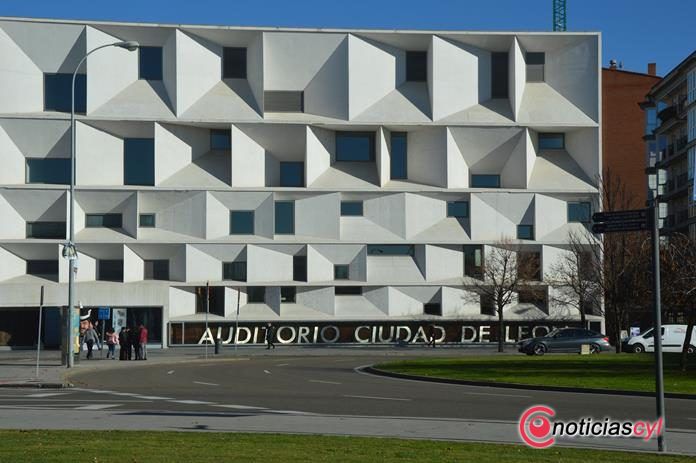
[506, 269]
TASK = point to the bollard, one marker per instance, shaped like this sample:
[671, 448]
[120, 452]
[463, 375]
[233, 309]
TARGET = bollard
[217, 346]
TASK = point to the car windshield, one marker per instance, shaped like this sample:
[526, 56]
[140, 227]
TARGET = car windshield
[646, 332]
[553, 332]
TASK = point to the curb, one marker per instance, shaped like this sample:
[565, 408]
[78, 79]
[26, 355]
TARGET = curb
[38, 385]
[531, 387]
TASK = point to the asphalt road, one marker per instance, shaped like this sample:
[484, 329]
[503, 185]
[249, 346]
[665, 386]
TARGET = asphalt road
[322, 394]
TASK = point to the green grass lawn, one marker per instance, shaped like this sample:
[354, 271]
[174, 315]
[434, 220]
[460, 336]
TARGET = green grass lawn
[167, 447]
[633, 372]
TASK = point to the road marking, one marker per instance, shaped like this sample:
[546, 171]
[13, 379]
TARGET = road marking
[322, 381]
[154, 397]
[170, 372]
[288, 412]
[692, 419]
[206, 384]
[267, 372]
[282, 364]
[53, 400]
[46, 394]
[375, 398]
[193, 402]
[97, 406]
[128, 394]
[242, 407]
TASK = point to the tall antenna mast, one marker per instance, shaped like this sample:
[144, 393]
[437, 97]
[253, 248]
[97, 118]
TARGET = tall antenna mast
[559, 15]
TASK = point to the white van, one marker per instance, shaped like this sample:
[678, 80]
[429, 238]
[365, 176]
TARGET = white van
[673, 337]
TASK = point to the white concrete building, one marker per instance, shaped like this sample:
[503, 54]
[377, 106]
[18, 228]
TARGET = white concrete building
[321, 176]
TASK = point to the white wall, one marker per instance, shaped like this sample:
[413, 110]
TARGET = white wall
[102, 166]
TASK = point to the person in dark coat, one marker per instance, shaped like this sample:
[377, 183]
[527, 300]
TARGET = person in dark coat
[270, 334]
[123, 341]
[134, 340]
[431, 335]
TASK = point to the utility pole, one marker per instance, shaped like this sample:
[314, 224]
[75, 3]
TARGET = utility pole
[207, 309]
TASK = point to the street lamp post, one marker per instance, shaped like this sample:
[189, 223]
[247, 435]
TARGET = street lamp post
[69, 250]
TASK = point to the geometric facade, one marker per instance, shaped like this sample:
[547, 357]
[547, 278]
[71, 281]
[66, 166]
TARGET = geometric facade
[469, 137]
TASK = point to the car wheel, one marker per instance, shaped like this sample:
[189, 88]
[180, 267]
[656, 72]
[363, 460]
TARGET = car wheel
[638, 348]
[539, 349]
[691, 350]
[595, 349]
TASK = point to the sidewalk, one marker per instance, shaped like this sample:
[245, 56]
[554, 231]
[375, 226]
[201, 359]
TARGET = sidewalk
[18, 368]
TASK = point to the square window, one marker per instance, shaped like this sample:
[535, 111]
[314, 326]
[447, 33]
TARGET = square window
[220, 139]
[150, 63]
[355, 146]
[156, 269]
[281, 101]
[487, 304]
[210, 299]
[525, 232]
[535, 66]
[58, 92]
[341, 272]
[416, 66]
[473, 260]
[348, 290]
[292, 174]
[287, 294]
[47, 269]
[485, 181]
[529, 265]
[241, 222]
[458, 209]
[284, 217]
[299, 268]
[256, 294]
[147, 220]
[103, 220]
[351, 208]
[399, 158]
[432, 308]
[579, 212]
[139, 161]
[234, 271]
[551, 141]
[54, 171]
[234, 63]
[110, 270]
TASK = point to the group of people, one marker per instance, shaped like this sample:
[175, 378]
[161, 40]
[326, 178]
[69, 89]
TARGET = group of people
[131, 340]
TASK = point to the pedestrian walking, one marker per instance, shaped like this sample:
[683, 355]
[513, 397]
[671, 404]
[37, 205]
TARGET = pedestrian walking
[143, 342]
[90, 338]
[270, 333]
[431, 336]
[123, 341]
[134, 341]
[111, 343]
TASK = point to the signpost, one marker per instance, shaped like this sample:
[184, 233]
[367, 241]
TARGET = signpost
[38, 337]
[103, 314]
[621, 221]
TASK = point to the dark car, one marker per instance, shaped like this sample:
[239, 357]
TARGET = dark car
[565, 340]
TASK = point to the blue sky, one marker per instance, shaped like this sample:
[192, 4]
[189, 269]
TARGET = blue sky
[633, 31]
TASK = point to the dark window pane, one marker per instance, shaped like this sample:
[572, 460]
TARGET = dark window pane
[48, 170]
[292, 174]
[157, 269]
[487, 305]
[43, 268]
[529, 265]
[234, 271]
[390, 250]
[220, 140]
[150, 63]
[139, 161]
[241, 222]
[399, 163]
[355, 146]
[459, 209]
[432, 308]
[58, 92]
[485, 181]
[473, 260]
[551, 141]
[525, 232]
[210, 299]
[287, 294]
[284, 217]
[539, 298]
[234, 64]
[341, 272]
[416, 66]
[351, 208]
[147, 220]
[348, 290]
[535, 66]
[46, 230]
[283, 101]
[299, 268]
[110, 270]
[535, 57]
[499, 75]
[256, 294]
[103, 220]
[579, 212]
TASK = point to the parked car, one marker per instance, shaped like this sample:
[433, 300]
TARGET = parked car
[565, 340]
[673, 337]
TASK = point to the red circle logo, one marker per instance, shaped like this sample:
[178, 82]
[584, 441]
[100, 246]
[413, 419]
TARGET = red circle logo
[535, 426]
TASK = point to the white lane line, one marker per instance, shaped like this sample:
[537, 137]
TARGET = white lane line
[282, 364]
[126, 394]
[170, 372]
[288, 412]
[375, 398]
[97, 406]
[497, 395]
[242, 407]
[192, 402]
[206, 384]
[46, 394]
[322, 381]
[267, 372]
[692, 419]
[154, 397]
[53, 400]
